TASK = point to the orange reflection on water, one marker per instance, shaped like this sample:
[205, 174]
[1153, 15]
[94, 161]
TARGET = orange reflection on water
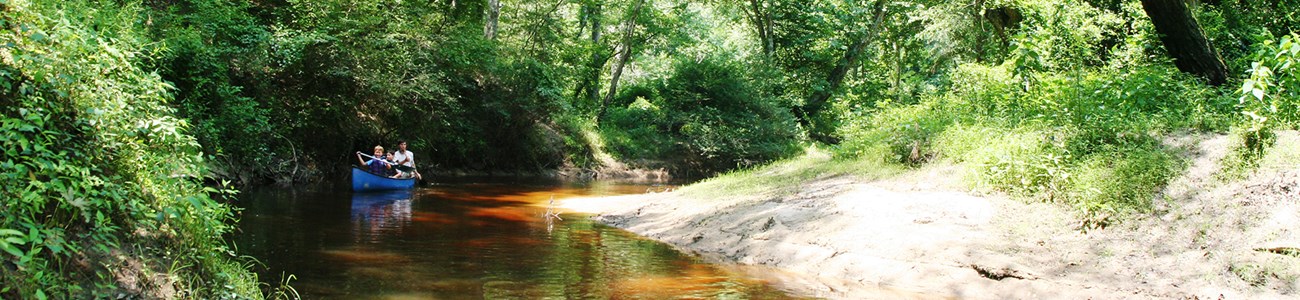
[370, 256]
[431, 217]
[488, 241]
[510, 195]
[696, 282]
[512, 214]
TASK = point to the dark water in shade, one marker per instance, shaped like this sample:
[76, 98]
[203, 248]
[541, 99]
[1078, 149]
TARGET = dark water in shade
[468, 241]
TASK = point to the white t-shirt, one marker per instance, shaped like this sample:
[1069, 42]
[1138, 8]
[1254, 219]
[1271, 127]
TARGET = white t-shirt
[401, 156]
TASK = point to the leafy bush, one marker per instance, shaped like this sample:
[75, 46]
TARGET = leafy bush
[1271, 96]
[1028, 160]
[709, 113]
[1087, 138]
[1063, 35]
[1269, 99]
[897, 134]
[99, 180]
[1120, 180]
[209, 53]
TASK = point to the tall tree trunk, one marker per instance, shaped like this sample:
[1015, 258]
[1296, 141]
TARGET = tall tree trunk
[590, 29]
[850, 59]
[493, 14]
[1003, 18]
[625, 52]
[1185, 41]
[760, 16]
[900, 56]
[977, 11]
[598, 57]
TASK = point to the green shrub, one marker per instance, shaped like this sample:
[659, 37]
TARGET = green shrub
[1269, 100]
[638, 132]
[1120, 180]
[208, 54]
[1047, 137]
[96, 169]
[897, 133]
[710, 114]
[1026, 161]
[1271, 96]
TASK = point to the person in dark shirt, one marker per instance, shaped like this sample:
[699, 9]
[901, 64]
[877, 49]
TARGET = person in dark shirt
[377, 164]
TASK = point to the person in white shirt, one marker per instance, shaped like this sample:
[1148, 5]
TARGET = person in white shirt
[406, 158]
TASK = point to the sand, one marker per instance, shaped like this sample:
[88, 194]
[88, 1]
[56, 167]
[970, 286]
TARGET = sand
[924, 235]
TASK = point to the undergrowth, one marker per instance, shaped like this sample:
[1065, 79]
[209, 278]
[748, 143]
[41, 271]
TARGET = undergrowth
[1270, 101]
[1088, 138]
[100, 186]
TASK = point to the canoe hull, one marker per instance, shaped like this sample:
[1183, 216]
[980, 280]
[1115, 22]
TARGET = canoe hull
[363, 181]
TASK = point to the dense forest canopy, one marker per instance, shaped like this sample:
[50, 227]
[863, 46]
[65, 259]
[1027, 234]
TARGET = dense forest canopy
[115, 112]
[287, 89]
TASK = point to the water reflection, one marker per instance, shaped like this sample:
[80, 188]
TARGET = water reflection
[468, 241]
[377, 214]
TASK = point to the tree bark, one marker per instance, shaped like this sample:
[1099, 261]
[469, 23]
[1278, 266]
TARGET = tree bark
[493, 14]
[1002, 18]
[1185, 41]
[977, 18]
[625, 52]
[598, 57]
[588, 87]
[761, 18]
[850, 59]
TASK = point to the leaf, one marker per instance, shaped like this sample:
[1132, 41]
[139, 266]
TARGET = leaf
[1259, 94]
[196, 202]
[11, 249]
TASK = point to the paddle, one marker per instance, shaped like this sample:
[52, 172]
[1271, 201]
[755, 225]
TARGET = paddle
[396, 166]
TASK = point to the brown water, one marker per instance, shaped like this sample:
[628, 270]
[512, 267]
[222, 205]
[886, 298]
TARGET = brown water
[468, 241]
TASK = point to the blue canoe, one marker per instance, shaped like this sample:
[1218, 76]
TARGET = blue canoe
[363, 181]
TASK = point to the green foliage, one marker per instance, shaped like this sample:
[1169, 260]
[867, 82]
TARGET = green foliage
[1063, 35]
[94, 160]
[210, 51]
[709, 113]
[1086, 138]
[1140, 170]
[1237, 28]
[897, 134]
[1269, 99]
[1027, 161]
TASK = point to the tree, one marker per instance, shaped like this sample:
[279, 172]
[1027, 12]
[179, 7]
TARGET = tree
[849, 60]
[625, 52]
[493, 13]
[1185, 41]
[759, 15]
[588, 87]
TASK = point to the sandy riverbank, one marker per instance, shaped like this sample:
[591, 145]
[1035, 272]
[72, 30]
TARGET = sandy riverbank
[923, 235]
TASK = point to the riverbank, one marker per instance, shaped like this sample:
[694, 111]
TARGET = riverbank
[925, 232]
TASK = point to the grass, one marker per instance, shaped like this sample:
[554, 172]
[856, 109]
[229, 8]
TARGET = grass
[785, 176]
[1087, 139]
[1284, 154]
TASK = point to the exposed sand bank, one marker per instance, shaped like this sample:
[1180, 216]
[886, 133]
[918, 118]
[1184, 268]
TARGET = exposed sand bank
[921, 235]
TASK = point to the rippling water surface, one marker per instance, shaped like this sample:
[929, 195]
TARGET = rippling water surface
[469, 240]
